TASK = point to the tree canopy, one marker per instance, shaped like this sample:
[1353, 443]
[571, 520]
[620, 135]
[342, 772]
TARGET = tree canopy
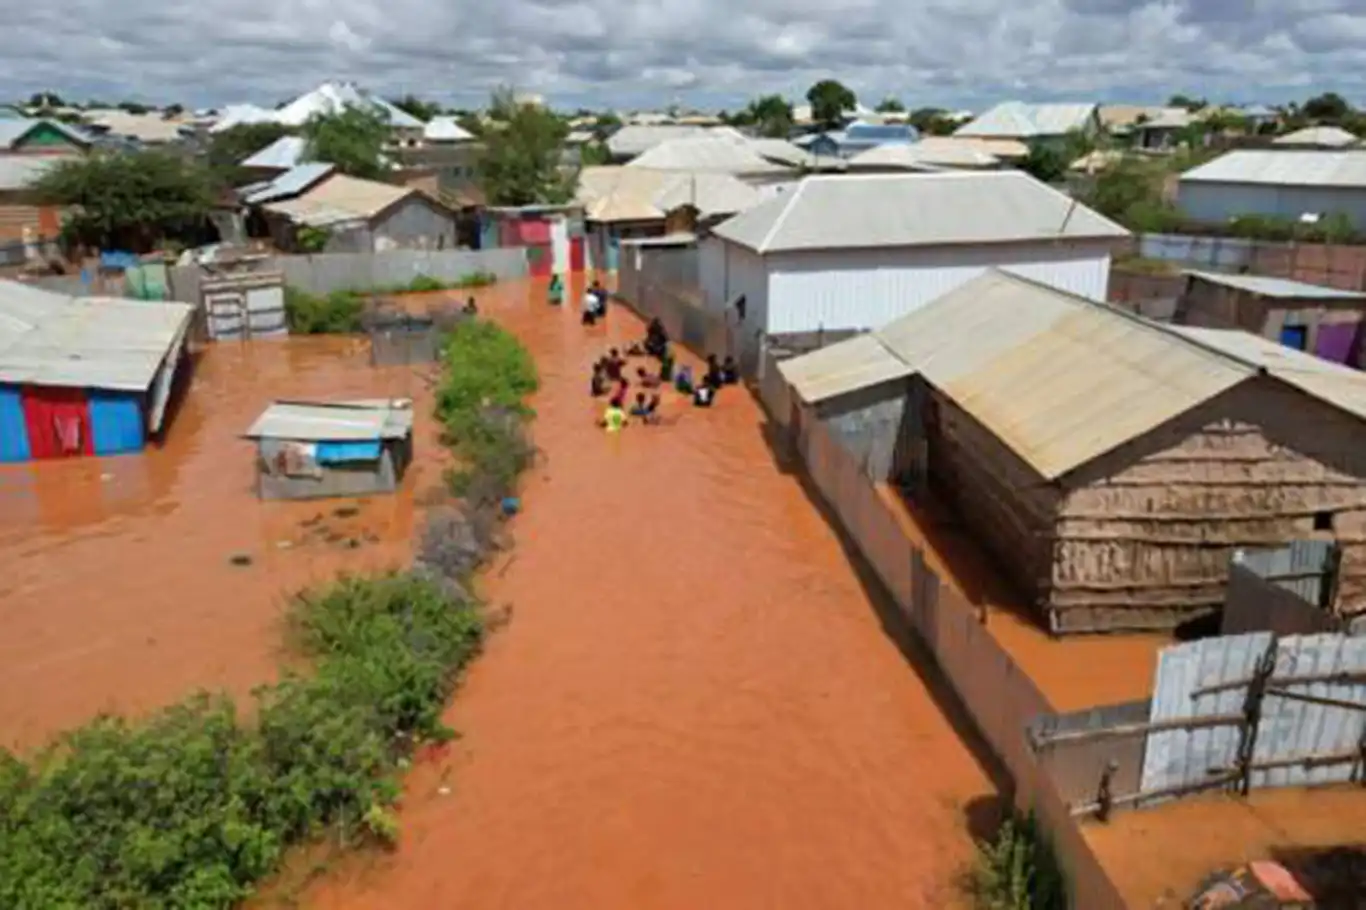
[129, 201]
[422, 110]
[769, 115]
[891, 105]
[353, 140]
[523, 152]
[829, 100]
[933, 121]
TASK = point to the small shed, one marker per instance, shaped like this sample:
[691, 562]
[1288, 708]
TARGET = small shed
[1321, 320]
[362, 216]
[316, 449]
[398, 338]
[1113, 465]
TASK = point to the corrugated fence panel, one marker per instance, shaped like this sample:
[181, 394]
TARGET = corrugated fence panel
[1299, 566]
[1292, 729]
[13, 431]
[1220, 253]
[1175, 758]
[116, 424]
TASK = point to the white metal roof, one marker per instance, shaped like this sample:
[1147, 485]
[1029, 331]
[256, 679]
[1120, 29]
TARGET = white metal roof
[634, 139]
[283, 153]
[926, 155]
[337, 421]
[855, 363]
[18, 171]
[89, 342]
[623, 193]
[1018, 120]
[716, 153]
[241, 115]
[1320, 136]
[1277, 287]
[333, 98]
[891, 210]
[1284, 168]
[342, 198]
[291, 183]
[445, 129]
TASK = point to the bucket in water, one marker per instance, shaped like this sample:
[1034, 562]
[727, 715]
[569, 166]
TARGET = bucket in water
[511, 505]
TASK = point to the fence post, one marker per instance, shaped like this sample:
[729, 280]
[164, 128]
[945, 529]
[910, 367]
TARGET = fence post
[1252, 715]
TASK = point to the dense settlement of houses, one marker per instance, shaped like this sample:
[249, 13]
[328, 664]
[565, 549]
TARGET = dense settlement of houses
[950, 307]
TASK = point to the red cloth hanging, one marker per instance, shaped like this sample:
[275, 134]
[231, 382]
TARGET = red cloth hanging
[58, 422]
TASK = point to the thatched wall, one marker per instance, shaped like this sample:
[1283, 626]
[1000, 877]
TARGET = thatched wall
[1003, 502]
[1145, 534]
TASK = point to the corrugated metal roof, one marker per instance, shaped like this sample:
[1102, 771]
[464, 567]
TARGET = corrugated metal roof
[446, 129]
[1018, 120]
[241, 115]
[846, 366]
[623, 193]
[1283, 168]
[341, 198]
[283, 153]
[87, 342]
[1277, 287]
[338, 421]
[926, 155]
[335, 97]
[291, 183]
[1321, 136]
[18, 171]
[889, 210]
[635, 139]
[12, 129]
[780, 151]
[717, 154]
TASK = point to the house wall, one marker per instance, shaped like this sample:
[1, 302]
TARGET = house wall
[727, 270]
[13, 430]
[1219, 202]
[415, 224]
[1145, 534]
[361, 479]
[1004, 502]
[850, 289]
[869, 423]
[1212, 305]
[117, 425]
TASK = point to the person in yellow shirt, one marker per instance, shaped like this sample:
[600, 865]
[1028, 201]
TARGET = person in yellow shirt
[614, 418]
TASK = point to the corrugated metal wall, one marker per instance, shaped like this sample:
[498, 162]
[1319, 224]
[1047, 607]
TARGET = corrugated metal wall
[13, 432]
[1219, 202]
[868, 424]
[417, 224]
[840, 289]
[116, 422]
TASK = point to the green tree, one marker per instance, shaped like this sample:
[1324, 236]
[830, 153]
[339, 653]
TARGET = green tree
[830, 100]
[1046, 162]
[352, 139]
[470, 122]
[594, 153]
[46, 100]
[1330, 107]
[891, 105]
[129, 201]
[605, 126]
[134, 107]
[523, 151]
[227, 149]
[770, 116]
[1188, 102]
[932, 121]
[422, 110]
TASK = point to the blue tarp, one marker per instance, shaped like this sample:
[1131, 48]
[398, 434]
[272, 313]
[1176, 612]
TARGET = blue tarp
[118, 260]
[13, 432]
[338, 452]
[116, 425]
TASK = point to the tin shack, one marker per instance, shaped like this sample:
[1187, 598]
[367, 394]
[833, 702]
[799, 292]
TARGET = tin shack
[316, 449]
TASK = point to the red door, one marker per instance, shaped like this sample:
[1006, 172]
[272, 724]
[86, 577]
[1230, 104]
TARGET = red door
[575, 254]
[58, 422]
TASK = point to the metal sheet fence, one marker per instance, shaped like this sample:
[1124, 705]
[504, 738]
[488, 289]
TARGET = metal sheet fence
[323, 273]
[998, 695]
[1335, 265]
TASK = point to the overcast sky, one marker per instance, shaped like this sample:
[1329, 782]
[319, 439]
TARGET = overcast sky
[707, 53]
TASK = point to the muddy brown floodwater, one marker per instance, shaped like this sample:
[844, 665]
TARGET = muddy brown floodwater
[116, 587]
[695, 703]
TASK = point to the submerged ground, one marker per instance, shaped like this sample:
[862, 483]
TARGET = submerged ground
[696, 701]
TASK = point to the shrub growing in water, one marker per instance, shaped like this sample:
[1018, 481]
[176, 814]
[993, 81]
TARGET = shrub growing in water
[313, 314]
[1017, 870]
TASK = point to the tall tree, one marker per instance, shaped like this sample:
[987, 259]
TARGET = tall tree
[891, 105]
[605, 125]
[422, 110]
[933, 121]
[129, 201]
[1330, 107]
[770, 115]
[227, 149]
[352, 139]
[1186, 101]
[829, 101]
[523, 153]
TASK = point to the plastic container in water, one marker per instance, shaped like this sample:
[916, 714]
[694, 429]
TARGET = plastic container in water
[511, 505]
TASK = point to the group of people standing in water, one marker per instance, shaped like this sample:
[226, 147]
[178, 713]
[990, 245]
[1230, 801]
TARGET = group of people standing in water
[609, 378]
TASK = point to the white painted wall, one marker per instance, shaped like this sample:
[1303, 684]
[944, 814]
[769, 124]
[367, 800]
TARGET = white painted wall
[856, 289]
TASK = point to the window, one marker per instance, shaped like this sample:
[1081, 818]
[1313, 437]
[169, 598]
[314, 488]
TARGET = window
[1323, 521]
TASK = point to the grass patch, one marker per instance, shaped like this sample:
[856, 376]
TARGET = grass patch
[342, 312]
[195, 805]
[1017, 870]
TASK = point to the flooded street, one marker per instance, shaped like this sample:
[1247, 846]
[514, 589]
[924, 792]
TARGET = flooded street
[116, 587]
[694, 704]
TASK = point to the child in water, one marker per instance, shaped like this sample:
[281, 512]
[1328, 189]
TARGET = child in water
[666, 366]
[652, 410]
[730, 371]
[555, 294]
[702, 396]
[470, 309]
[614, 364]
[713, 376]
[645, 379]
[641, 408]
[614, 418]
[683, 381]
[598, 384]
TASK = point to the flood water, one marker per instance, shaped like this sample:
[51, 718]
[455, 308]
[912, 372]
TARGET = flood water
[694, 704]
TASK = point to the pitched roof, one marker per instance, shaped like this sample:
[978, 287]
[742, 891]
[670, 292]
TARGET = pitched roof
[283, 153]
[341, 198]
[634, 139]
[1283, 168]
[292, 182]
[927, 155]
[891, 210]
[445, 129]
[18, 171]
[1018, 120]
[1062, 380]
[1277, 287]
[241, 115]
[85, 342]
[335, 97]
[715, 153]
[13, 129]
[625, 193]
[1318, 136]
[334, 421]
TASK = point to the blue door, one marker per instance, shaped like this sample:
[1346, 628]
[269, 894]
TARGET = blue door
[1295, 336]
[13, 430]
[116, 422]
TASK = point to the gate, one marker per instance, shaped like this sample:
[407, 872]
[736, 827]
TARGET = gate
[244, 306]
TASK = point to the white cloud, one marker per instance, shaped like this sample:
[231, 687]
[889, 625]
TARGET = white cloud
[707, 51]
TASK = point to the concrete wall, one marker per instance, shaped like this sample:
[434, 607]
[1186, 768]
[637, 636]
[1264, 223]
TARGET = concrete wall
[868, 423]
[323, 273]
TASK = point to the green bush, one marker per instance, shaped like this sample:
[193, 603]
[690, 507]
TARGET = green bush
[1017, 870]
[480, 403]
[194, 806]
[312, 314]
